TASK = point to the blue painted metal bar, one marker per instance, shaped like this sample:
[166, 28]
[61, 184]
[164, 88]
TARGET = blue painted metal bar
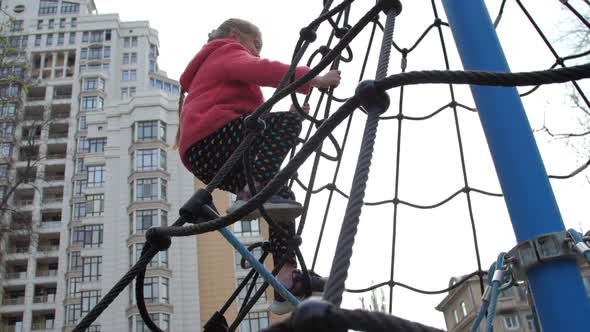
[259, 267]
[557, 288]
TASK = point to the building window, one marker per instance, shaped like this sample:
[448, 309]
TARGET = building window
[244, 291]
[95, 205]
[463, 308]
[80, 164]
[150, 159]
[92, 103]
[76, 263]
[79, 210]
[92, 268]
[74, 286]
[48, 7]
[247, 228]
[74, 22]
[93, 84]
[133, 59]
[90, 236]
[125, 58]
[95, 176]
[39, 24]
[89, 300]
[254, 321]
[62, 23]
[72, 39]
[456, 316]
[70, 7]
[160, 319]
[51, 24]
[145, 219]
[133, 41]
[91, 145]
[7, 110]
[150, 131]
[147, 189]
[511, 322]
[37, 40]
[49, 40]
[17, 26]
[3, 171]
[74, 313]
[60, 38]
[5, 150]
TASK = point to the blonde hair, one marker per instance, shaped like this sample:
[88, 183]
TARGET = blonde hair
[235, 25]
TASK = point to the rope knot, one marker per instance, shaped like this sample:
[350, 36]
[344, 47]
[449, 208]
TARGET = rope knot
[323, 50]
[158, 239]
[341, 32]
[254, 125]
[308, 34]
[373, 98]
[437, 22]
[311, 315]
[394, 5]
[190, 211]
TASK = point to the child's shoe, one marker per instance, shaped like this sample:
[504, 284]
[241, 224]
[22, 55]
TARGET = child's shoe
[280, 210]
[281, 306]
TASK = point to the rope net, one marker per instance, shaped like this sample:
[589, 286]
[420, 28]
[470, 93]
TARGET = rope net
[431, 203]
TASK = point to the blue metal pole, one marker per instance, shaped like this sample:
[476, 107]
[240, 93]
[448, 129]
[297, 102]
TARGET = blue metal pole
[258, 266]
[557, 288]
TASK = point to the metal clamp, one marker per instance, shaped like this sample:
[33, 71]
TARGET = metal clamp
[542, 249]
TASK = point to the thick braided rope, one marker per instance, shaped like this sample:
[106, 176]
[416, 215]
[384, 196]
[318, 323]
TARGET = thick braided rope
[341, 262]
[338, 319]
[551, 76]
[339, 271]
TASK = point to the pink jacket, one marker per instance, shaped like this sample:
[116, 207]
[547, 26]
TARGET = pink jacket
[223, 82]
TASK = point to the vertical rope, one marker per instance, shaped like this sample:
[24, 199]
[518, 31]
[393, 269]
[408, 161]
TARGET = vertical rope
[339, 270]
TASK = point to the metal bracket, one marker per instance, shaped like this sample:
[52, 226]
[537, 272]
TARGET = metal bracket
[542, 249]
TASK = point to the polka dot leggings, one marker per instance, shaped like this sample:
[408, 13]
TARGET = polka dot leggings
[267, 153]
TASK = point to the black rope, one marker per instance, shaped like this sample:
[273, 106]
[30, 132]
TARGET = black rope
[319, 317]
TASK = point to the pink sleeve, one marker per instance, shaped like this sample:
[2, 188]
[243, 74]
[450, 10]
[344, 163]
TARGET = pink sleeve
[242, 66]
[189, 73]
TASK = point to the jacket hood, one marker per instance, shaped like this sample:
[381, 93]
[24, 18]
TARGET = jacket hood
[189, 72]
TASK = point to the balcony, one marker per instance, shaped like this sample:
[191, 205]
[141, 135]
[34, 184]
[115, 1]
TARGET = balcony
[12, 322]
[62, 92]
[48, 242]
[13, 295]
[56, 151]
[34, 113]
[46, 273]
[50, 219]
[15, 275]
[22, 220]
[43, 320]
[13, 300]
[29, 153]
[45, 293]
[55, 173]
[61, 111]
[24, 197]
[52, 195]
[36, 94]
[58, 130]
[26, 174]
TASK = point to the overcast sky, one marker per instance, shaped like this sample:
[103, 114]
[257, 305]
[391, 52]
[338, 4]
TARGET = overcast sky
[432, 245]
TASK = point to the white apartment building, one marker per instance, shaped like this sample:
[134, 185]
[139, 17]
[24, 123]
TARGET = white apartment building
[105, 119]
